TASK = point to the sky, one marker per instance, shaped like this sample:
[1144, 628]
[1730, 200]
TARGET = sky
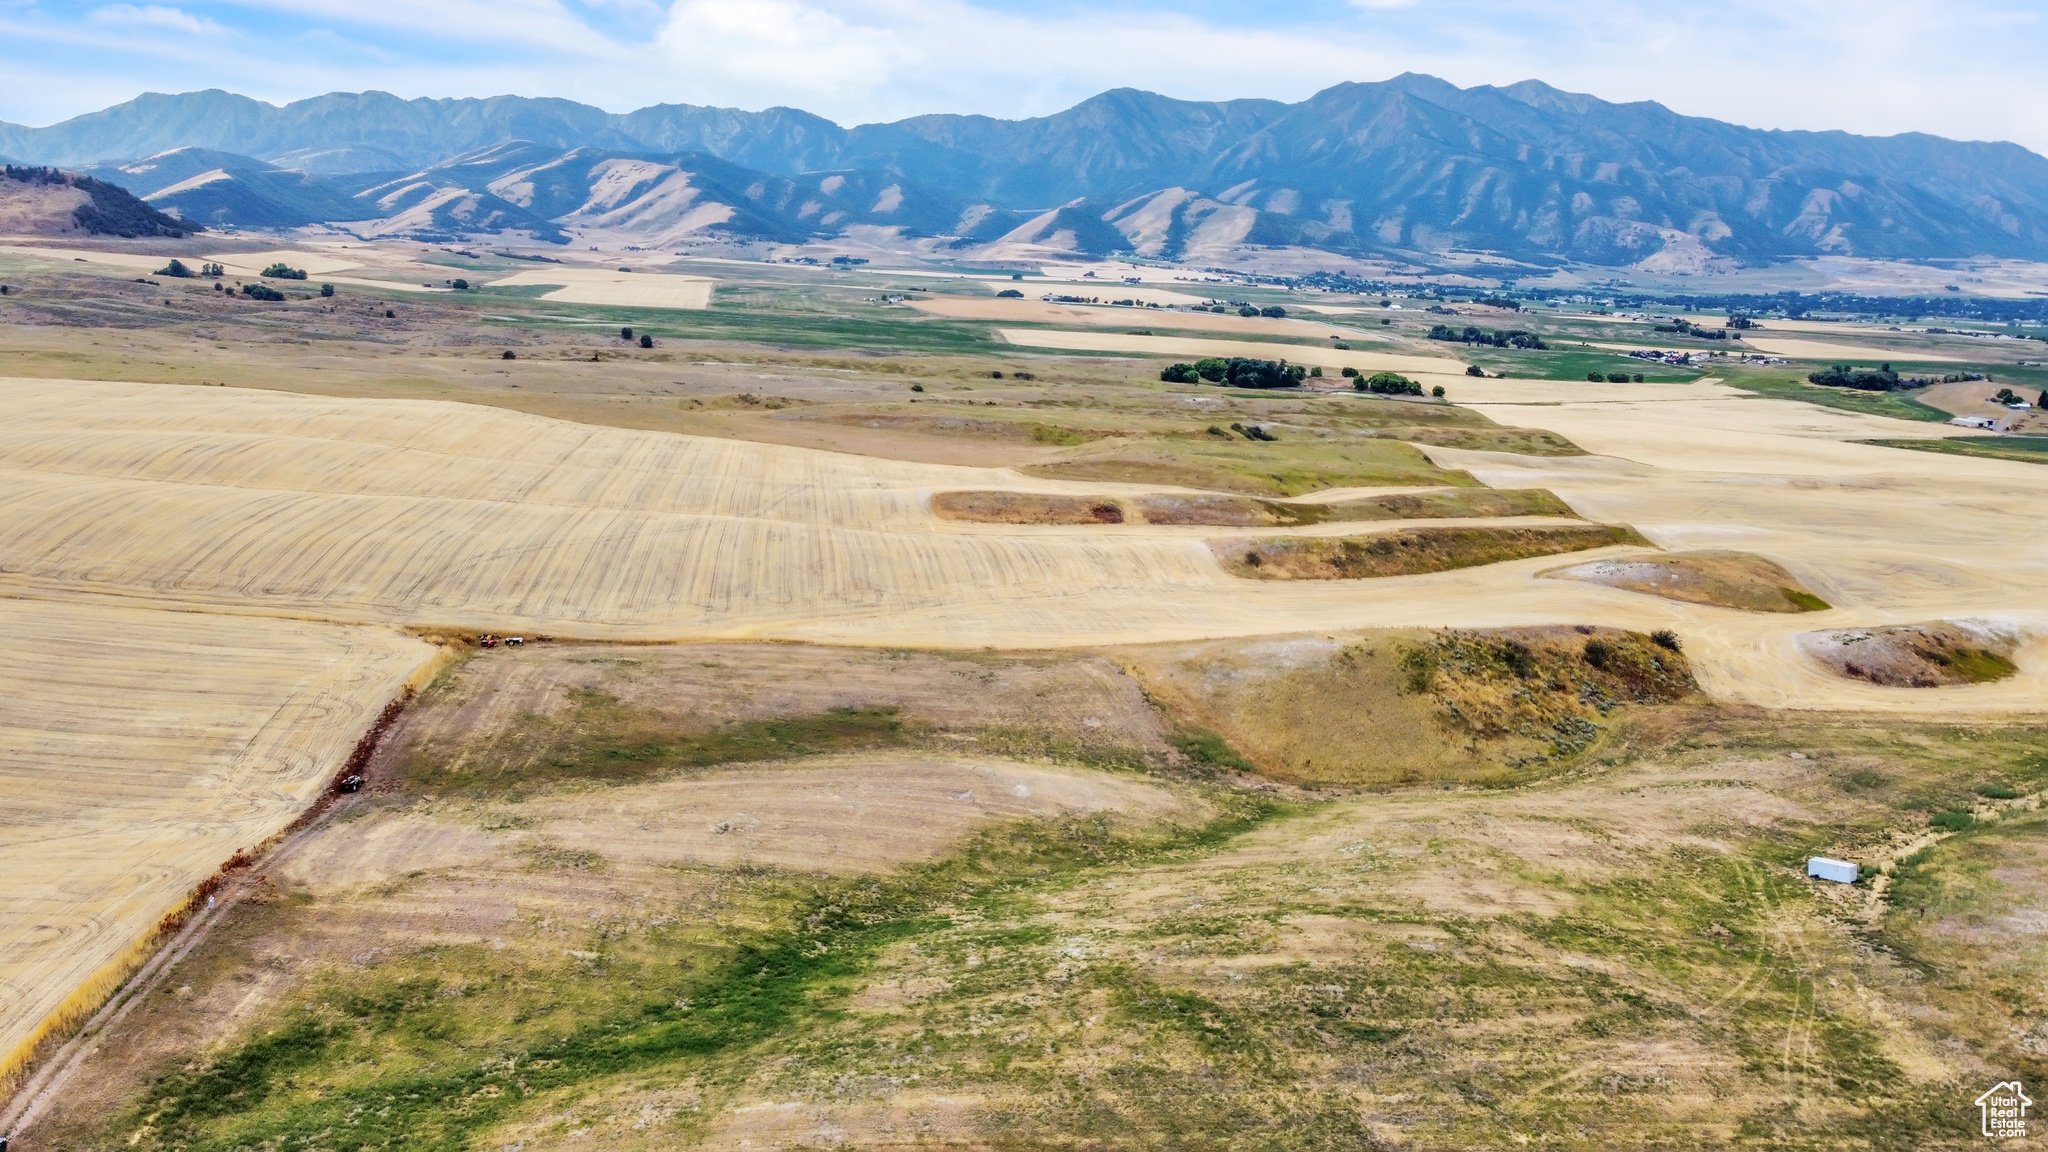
[1968, 69]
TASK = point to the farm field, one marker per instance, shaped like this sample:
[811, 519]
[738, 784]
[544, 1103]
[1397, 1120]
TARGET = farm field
[139, 750]
[1352, 968]
[905, 746]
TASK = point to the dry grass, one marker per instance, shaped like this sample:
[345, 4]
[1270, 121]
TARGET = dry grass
[1239, 511]
[1385, 709]
[1407, 552]
[1722, 579]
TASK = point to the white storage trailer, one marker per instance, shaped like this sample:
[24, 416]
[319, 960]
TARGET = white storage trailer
[1840, 871]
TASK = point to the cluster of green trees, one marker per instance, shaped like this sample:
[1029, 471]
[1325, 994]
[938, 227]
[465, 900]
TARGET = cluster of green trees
[1879, 379]
[262, 292]
[1614, 377]
[1499, 302]
[1741, 320]
[1237, 372]
[283, 271]
[177, 270]
[1383, 383]
[1471, 335]
[1684, 327]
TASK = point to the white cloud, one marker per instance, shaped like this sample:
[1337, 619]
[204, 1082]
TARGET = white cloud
[154, 16]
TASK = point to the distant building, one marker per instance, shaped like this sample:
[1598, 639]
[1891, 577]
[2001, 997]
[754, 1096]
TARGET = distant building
[1984, 422]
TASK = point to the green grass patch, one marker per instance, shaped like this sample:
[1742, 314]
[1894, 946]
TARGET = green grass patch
[605, 740]
[1806, 601]
[326, 1077]
[1897, 405]
[1574, 364]
[1205, 747]
[2025, 449]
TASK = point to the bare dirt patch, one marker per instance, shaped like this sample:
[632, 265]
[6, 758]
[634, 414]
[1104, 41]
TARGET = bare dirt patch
[1932, 655]
[1408, 552]
[1723, 579]
[1026, 508]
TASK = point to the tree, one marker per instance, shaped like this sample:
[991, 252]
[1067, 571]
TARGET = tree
[1212, 369]
[511, 355]
[1274, 312]
[1179, 374]
[1474, 370]
[1247, 311]
[262, 292]
[625, 333]
[1617, 377]
[176, 270]
[1437, 391]
[1349, 372]
[283, 271]
[327, 290]
[459, 285]
[647, 341]
[214, 271]
[1597, 377]
[1009, 294]
[1388, 384]
[1638, 378]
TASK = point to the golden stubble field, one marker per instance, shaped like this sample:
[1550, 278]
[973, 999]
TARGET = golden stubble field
[438, 515]
[139, 750]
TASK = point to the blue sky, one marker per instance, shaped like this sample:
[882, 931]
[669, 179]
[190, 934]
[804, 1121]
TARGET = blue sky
[1970, 69]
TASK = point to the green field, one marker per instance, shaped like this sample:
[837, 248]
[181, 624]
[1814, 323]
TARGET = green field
[1898, 405]
[2027, 449]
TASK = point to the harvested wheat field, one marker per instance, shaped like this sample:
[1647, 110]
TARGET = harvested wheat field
[138, 752]
[1725, 579]
[1194, 347]
[1038, 311]
[624, 289]
[452, 516]
[1820, 350]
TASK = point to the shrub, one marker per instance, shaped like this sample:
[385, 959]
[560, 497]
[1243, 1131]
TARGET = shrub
[1474, 370]
[1617, 377]
[996, 375]
[1437, 391]
[1597, 377]
[511, 355]
[261, 292]
[1247, 310]
[176, 270]
[1350, 372]
[1667, 639]
[1638, 378]
[327, 291]
[647, 341]
[1274, 312]
[283, 271]
[625, 333]
[459, 285]
[390, 315]
[917, 387]
[1953, 820]
[1179, 374]
[1009, 294]
[1212, 368]
[1598, 653]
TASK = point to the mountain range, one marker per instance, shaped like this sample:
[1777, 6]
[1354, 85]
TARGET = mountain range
[1409, 165]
